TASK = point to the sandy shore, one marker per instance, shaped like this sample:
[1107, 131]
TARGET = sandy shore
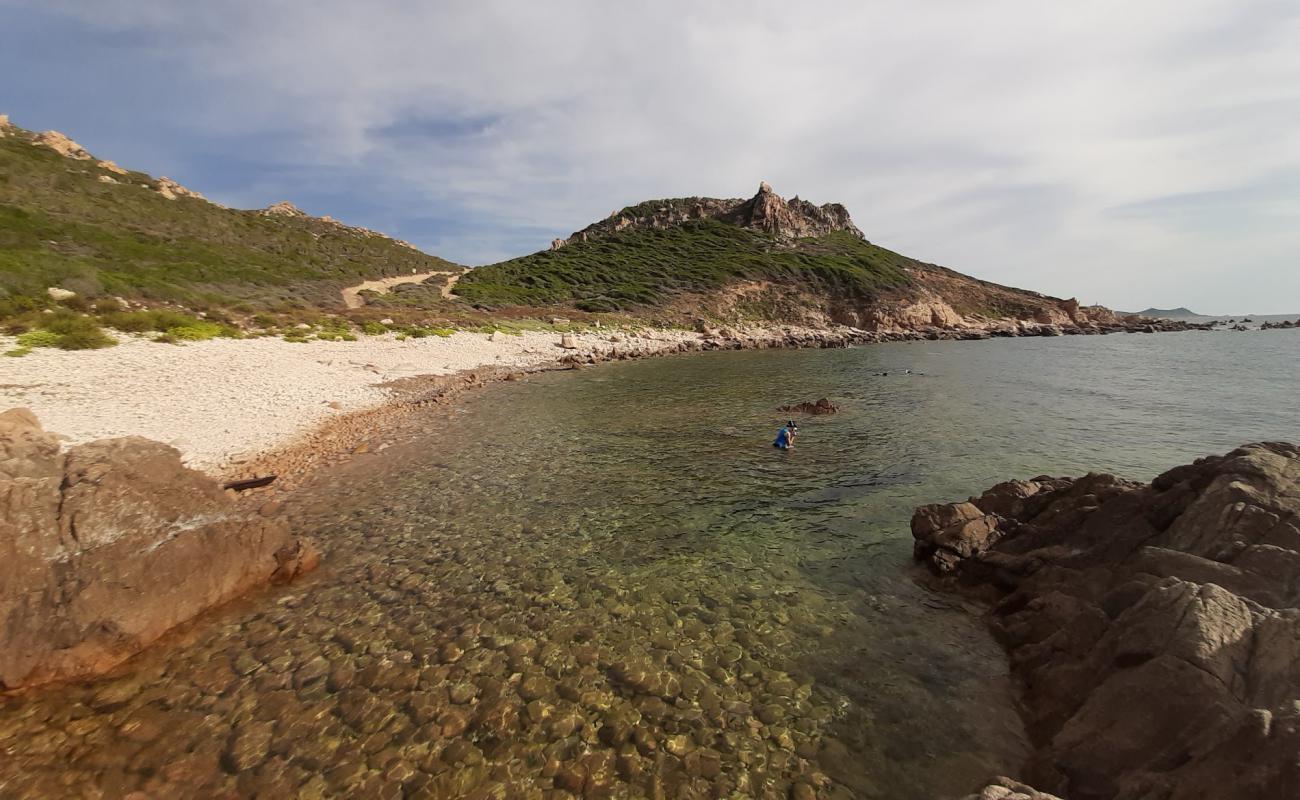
[224, 401]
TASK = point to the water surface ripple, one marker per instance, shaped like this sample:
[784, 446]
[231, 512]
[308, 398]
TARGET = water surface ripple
[607, 583]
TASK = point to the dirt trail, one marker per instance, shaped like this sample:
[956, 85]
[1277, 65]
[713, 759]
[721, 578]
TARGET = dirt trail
[446, 287]
[352, 295]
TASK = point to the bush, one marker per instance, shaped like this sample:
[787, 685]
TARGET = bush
[129, 321]
[67, 322]
[197, 332]
[18, 352]
[38, 339]
[443, 332]
[67, 332]
[374, 328]
[87, 339]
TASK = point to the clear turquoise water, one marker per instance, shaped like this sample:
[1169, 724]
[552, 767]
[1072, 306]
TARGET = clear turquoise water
[528, 558]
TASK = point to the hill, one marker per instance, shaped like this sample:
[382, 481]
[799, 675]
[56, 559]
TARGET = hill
[1168, 313]
[77, 223]
[765, 258]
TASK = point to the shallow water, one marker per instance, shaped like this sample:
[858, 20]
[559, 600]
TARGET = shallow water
[608, 583]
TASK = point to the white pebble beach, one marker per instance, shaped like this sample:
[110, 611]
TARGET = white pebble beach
[224, 400]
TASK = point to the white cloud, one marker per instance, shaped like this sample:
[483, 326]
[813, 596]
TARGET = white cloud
[1013, 140]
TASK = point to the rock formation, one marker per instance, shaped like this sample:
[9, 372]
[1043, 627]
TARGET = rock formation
[283, 209]
[1154, 629]
[822, 406]
[62, 145]
[171, 190]
[766, 211]
[793, 219]
[105, 547]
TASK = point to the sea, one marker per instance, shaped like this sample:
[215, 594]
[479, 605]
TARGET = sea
[607, 582]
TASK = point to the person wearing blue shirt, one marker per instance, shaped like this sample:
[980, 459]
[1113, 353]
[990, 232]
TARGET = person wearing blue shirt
[785, 436]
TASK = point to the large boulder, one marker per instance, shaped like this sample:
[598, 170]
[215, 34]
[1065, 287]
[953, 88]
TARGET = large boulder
[1154, 629]
[105, 547]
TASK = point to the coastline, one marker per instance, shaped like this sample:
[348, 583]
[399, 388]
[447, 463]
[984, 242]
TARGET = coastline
[240, 408]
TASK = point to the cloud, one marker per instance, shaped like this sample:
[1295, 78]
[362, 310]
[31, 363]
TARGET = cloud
[1033, 144]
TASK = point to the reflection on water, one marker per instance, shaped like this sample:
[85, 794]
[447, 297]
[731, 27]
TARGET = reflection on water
[609, 584]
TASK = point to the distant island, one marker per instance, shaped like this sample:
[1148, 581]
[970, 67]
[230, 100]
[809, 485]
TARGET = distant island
[1168, 312]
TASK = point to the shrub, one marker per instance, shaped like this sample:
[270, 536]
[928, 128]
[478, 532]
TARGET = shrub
[197, 332]
[38, 339]
[443, 332]
[85, 339]
[67, 322]
[374, 328]
[129, 321]
[18, 352]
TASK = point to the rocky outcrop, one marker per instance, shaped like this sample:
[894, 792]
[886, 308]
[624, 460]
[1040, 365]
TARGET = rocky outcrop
[822, 406]
[765, 211]
[794, 219]
[1285, 324]
[171, 190]
[62, 145]
[105, 547]
[1154, 628]
[283, 209]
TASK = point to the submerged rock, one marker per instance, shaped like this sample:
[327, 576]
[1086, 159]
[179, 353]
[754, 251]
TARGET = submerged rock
[105, 547]
[1154, 628]
[822, 406]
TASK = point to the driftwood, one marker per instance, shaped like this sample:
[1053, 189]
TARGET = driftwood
[251, 483]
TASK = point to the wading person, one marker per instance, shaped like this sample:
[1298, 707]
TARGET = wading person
[785, 436]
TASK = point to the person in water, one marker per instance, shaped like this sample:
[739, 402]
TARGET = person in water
[785, 436]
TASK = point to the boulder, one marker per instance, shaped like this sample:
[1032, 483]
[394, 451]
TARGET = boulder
[817, 407]
[62, 145]
[105, 547]
[1154, 628]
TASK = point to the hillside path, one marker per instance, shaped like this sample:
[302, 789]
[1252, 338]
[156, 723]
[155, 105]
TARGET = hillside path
[352, 294]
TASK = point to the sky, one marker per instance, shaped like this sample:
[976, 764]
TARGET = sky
[1124, 153]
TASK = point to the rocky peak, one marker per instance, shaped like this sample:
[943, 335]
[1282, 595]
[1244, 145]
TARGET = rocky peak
[793, 219]
[765, 211]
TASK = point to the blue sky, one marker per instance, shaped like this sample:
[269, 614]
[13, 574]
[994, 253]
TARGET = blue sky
[1132, 154]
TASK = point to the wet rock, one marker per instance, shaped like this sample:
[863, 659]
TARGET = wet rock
[817, 407]
[248, 746]
[453, 722]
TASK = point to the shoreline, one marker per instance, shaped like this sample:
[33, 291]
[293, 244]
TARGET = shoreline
[240, 408]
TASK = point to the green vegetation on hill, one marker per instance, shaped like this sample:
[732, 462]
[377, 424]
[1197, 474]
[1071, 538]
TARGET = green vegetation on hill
[63, 224]
[646, 266]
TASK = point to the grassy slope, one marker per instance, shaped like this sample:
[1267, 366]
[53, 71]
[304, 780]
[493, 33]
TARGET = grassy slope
[61, 226]
[646, 267]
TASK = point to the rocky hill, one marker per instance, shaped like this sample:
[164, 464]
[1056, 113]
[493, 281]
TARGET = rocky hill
[77, 223]
[1168, 312]
[765, 258]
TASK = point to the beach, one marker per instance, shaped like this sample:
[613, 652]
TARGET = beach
[225, 401]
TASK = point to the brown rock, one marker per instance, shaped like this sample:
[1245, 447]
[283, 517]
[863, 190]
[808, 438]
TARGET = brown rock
[106, 547]
[822, 406]
[1155, 628]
